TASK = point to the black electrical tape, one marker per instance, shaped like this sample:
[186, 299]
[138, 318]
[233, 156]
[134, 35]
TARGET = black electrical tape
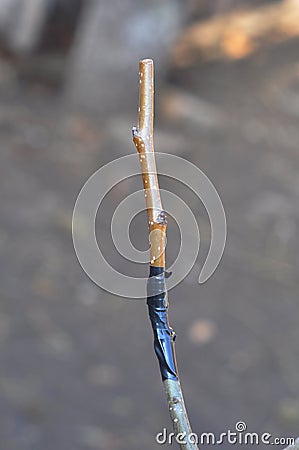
[164, 335]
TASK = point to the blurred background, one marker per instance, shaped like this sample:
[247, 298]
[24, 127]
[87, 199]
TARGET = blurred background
[78, 370]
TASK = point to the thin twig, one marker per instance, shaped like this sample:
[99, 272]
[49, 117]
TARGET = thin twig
[157, 299]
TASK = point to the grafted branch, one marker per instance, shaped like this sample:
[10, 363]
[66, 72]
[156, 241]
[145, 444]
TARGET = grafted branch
[157, 299]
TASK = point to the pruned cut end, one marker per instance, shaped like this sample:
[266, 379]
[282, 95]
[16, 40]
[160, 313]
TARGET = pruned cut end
[146, 61]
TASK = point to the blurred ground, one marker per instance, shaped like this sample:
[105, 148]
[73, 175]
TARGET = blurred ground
[77, 365]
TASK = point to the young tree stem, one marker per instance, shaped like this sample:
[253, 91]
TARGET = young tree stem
[157, 300]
